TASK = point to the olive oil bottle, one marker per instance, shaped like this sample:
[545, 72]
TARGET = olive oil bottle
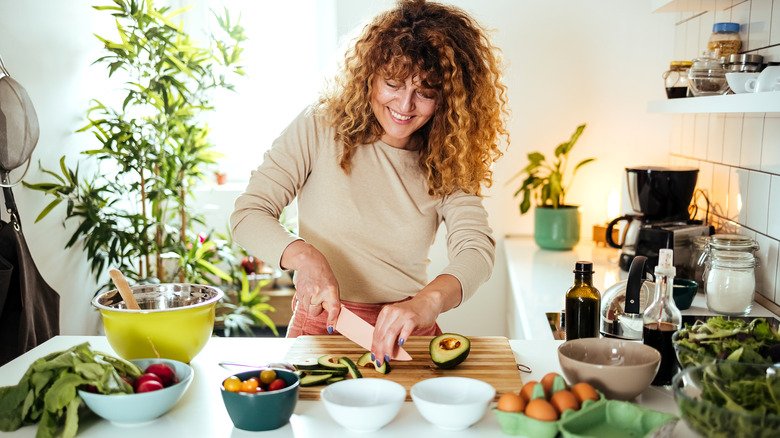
[583, 304]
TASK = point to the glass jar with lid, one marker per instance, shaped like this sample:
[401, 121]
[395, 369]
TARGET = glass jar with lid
[724, 40]
[707, 77]
[730, 273]
[676, 79]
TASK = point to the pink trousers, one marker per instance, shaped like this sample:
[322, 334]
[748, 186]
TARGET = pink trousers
[304, 324]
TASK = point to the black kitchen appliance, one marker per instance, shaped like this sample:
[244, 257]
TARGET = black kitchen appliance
[660, 196]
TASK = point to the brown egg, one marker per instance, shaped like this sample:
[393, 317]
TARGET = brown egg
[511, 402]
[547, 383]
[584, 391]
[564, 400]
[540, 409]
[528, 390]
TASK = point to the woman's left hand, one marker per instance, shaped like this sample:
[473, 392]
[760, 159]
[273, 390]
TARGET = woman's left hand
[396, 322]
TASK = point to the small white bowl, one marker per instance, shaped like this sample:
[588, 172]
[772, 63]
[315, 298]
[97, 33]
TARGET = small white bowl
[133, 409]
[452, 403]
[363, 405]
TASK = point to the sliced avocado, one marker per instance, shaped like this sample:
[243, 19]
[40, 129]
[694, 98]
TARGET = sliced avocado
[308, 364]
[365, 360]
[449, 349]
[329, 361]
[314, 380]
[353, 371]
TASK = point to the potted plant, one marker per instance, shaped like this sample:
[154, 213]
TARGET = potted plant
[137, 208]
[556, 224]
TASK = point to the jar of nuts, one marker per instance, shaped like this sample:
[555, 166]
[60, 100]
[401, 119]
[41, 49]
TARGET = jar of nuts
[724, 40]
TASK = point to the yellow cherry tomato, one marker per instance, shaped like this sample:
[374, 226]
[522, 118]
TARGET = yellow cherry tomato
[232, 384]
[267, 376]
[249, 385]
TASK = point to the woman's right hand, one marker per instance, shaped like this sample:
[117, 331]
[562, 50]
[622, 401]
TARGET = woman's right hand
[316, 287]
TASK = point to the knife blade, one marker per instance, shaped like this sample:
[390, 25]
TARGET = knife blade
[362, 333]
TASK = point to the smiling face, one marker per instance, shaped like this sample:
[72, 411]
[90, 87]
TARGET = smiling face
[401, 107]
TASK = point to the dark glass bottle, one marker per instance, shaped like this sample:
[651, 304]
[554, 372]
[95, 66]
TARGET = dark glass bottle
[583, 304]
[662, 319]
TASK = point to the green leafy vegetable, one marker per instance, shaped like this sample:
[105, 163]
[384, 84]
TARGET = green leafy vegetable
[47, 393]
[730, 339]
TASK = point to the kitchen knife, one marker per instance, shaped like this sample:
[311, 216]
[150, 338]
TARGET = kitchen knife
[361, 332]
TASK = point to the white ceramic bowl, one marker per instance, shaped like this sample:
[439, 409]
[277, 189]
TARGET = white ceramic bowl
[452, 403]
[132, 409]
[363, 405]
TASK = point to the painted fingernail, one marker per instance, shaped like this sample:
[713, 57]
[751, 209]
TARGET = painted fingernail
[401, 342]
[387, 358]
[373, 358]
[379, 364]
[330, 329]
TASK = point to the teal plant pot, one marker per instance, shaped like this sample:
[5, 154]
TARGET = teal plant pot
[557, 228]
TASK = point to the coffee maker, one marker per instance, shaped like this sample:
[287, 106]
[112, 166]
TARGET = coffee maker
[660, 197]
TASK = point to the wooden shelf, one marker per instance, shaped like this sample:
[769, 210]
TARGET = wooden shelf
[767, 102]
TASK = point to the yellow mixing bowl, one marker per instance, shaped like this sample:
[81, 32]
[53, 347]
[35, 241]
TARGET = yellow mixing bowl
[175, 321]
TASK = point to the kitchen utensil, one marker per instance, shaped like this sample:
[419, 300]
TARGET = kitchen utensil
[175, 321]
[452, 403]
[266, 410]
[124, 289]
[623, 303]
[707, 77]
[768, 80]
[273, 365]
[361, 332]
[619, 368]
[738, 81]
[627, 245]
[134, 409]
[363, 405]
[745, 63]
[491, 360]
[18, 125]
[661, 193]
[684, 292]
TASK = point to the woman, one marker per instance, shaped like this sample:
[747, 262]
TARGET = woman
[402, 142]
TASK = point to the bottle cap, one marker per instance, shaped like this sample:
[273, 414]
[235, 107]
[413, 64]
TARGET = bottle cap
[583, 268]
[665, 265]
[725, 27]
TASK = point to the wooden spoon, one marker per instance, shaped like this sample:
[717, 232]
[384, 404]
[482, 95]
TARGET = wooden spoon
[124, 289]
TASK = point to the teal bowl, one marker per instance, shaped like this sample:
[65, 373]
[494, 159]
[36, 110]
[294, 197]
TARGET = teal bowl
[263, 410]
[684, 292]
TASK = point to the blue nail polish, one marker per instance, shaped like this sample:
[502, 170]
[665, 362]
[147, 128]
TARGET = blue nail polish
[387, 358]
[378, 363]
[330, 329]
[373, 358]
[401, 342]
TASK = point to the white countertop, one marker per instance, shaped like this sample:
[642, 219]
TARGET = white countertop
[539, 279]
[201, 413]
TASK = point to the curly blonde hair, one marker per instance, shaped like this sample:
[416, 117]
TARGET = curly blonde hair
[453, 55]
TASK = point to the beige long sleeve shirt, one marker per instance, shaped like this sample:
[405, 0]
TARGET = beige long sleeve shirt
[375, 226]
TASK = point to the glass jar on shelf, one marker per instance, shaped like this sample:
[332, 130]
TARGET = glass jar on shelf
[724, 40]
[676, 79]
[730, 273]
[707, 77]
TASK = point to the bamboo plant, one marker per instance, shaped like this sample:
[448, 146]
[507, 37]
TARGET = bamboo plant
[153, 150]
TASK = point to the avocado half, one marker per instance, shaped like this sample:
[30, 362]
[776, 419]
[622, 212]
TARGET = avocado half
[449, 349]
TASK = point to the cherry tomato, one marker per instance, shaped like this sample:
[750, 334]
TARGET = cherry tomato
[232, 384]
[276, 385]
[267, 376]
[249, 385]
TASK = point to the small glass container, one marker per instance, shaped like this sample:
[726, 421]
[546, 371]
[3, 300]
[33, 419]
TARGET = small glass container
[707, 77]
[724, 40]
[730, 274]
[745, 63]
[676, 79]
[698, 244]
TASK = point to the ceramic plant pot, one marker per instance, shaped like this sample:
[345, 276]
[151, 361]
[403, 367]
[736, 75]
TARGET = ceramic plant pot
[557, 228]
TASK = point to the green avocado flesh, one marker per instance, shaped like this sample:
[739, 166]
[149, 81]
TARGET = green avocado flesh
[449, 349]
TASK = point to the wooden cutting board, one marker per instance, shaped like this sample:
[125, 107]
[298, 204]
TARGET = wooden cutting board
[490, 360]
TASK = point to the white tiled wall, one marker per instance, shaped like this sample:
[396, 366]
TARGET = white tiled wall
[738, 154]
